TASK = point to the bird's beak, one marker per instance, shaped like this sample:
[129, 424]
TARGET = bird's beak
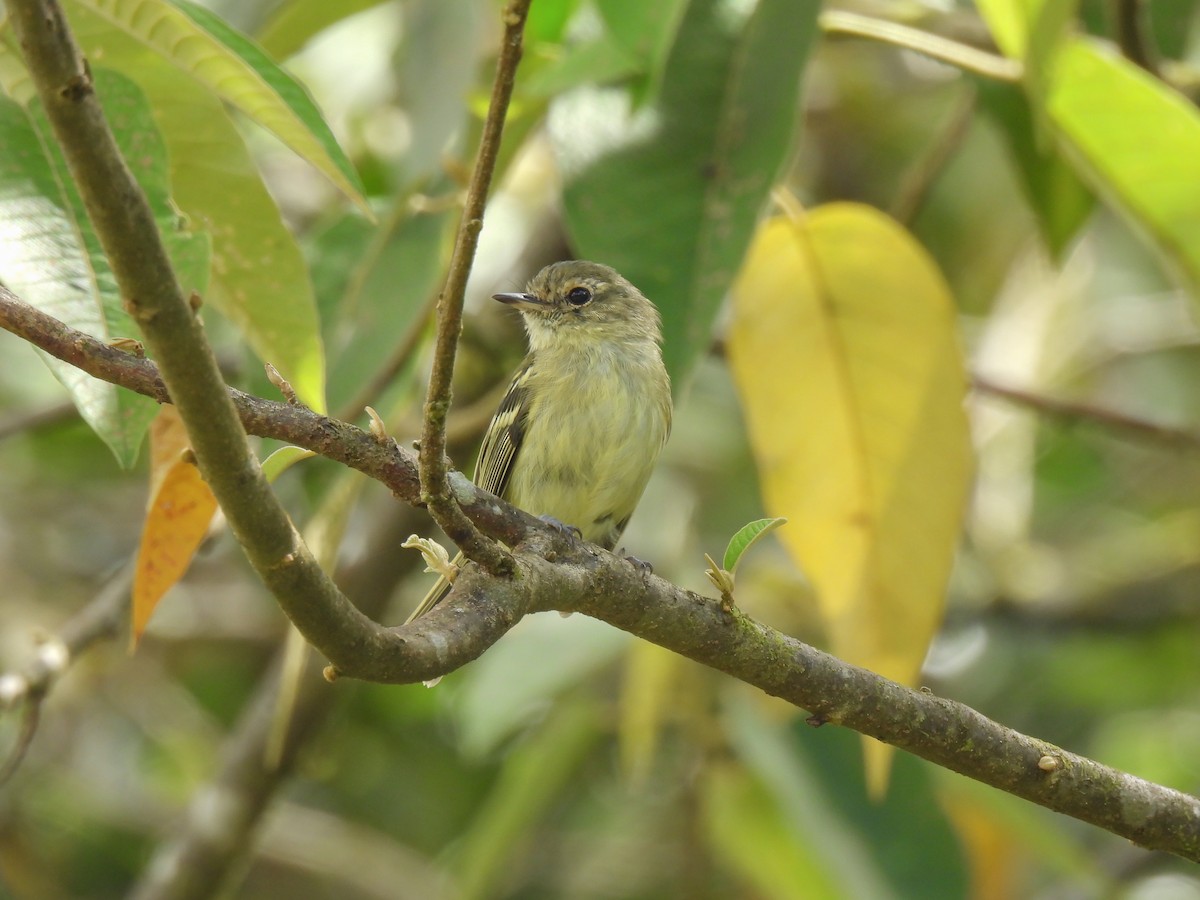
[530, 302]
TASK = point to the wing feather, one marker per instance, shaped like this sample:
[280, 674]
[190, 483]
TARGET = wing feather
[502, 443]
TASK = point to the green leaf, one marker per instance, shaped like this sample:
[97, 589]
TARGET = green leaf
[293, 24]
[548, 21]
[283, 459]
[501, 693]
[1031, 31]
[374, 281]
[259, 279]
[239, 72]
[1028, 30]
[1061, 202]
[670, 195]
[1136, 142]
[900, 846]
[745, 537]
[52, 257]
[602, 61]
[534, 775]
[748, 834]
[644, 32]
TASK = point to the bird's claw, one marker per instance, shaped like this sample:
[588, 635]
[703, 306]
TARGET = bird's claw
[562, 527]
[640, 564]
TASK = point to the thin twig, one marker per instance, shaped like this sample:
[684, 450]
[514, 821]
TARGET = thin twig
[1129, 29]
[24, 420]
[924, 172]
[961, 56]
[435, 488]
[26, 688]
[1070, 410]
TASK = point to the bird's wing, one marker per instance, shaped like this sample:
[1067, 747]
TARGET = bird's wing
[503, 440]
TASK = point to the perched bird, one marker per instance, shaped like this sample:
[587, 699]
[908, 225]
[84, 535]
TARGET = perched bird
[578, 432]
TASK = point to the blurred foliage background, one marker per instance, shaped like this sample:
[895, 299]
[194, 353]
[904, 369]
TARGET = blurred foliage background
[572, 760]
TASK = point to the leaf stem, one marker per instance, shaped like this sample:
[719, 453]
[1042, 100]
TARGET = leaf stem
[953, 53]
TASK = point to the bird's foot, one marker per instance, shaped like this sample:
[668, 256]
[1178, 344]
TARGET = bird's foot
[641, 564]
[562, 527]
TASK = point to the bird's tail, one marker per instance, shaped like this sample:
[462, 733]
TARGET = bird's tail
[436, 594]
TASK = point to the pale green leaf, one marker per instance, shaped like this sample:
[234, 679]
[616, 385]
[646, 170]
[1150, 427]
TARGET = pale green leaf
[532, 777]
[1136, 142]
[52, 257]
[283, 459]
[239, 72]
[293, 24]
[502, 693]
[648, 689]
[259, 279]
[1028, 30]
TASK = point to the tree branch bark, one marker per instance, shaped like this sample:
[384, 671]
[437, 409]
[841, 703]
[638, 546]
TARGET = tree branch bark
[557, 572]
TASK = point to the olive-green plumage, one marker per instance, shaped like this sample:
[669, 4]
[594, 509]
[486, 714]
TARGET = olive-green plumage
[578, 432]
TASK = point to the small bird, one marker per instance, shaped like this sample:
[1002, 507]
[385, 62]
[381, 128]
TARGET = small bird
[581, 425]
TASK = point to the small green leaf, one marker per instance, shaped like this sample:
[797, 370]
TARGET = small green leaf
[722, 579]
[745, 537]
[282, 460]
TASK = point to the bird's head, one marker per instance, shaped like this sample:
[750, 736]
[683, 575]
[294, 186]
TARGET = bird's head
[581, 299]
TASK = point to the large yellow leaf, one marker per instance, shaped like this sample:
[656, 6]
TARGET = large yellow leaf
[845, 354]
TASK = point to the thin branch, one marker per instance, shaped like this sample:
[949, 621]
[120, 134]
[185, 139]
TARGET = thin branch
[26, 688]
[1072, 411]
[921, 176]
[584, 578]
[961, 56]
[21, 421]
[435, 488]
[1129, 28]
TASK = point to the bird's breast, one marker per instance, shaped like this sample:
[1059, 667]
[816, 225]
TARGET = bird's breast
[592, 438]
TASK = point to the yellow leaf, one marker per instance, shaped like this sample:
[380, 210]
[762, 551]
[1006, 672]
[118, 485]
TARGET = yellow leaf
[180, 510]
[993, 854]
[845, 354]
[648, 698]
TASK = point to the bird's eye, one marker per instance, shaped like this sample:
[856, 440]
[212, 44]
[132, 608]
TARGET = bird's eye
[578, 296]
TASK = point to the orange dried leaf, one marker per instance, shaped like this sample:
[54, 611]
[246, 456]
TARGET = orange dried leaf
[180, 511]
